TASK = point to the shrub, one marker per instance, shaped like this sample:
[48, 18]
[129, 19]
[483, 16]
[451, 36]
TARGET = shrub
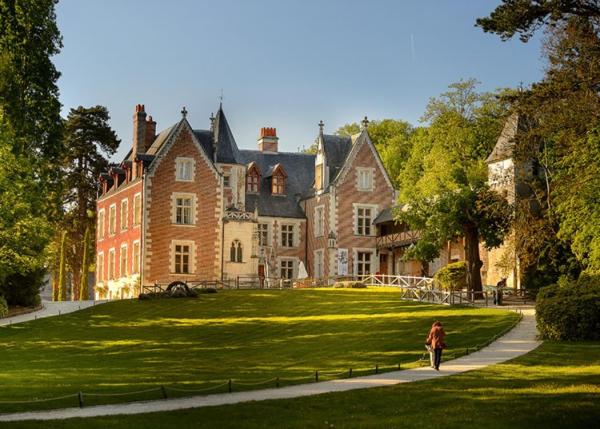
[23, 289]
[350, 285]
[452, 277]
[570, 310]
[3, 307]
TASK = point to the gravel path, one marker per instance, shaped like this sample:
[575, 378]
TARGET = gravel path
[50, 308]
[520, 340]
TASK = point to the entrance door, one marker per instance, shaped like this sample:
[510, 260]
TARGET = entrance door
[261, 275]
[383, 263]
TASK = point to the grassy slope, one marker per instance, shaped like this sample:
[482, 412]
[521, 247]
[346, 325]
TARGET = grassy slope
[555, 386]
[245, 335]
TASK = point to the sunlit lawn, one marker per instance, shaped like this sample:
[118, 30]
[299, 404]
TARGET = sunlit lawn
[555, 386]
[241, 335]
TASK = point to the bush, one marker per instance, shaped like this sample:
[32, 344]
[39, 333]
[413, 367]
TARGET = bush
[452, 277]
[23, 289]
[3, 307]
[350, 285]
[570, 310]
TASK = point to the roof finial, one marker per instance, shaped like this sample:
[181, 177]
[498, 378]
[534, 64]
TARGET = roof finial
[221, 99]
[321, 126]
[184, 112]
[365, 123]
[212, 121]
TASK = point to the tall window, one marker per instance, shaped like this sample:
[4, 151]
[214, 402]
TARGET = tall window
[100, 267]
[235, 252]
[263, 234]
[112, 219]
[182, 259]
[319, 221]
[364, 220]
[183, 210]
[136, 258]
[124, 214]
[123, 261]
[101, 224]
[287, 268]
[184, 169]
[111, 264]
[365, 179]
[278, 184]
[319, 263]
[252, 179]
[226, 181]
[137, 209]
[363, 263]
[287, 235]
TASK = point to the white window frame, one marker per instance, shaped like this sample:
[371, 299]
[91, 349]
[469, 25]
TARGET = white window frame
[319, 221]
[112, 219]
[265, 233]
[185, 169]
[137, 209]
[100, 267]
[192, 256]
[124, 214]
[373, 215]
[111, 264]
[372, 260]
[101, 223]
[227, 181]
[136, 254]
[365, 179]
[292, 232]
[319, 259]
[287, 261]
[193, 214]
[123, 271]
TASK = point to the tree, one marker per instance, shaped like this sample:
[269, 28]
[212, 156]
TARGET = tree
[391, 137]
[62, 270]
[85, 267]
[89, 140]
[527, 16]
[30, 143]
[443, 187]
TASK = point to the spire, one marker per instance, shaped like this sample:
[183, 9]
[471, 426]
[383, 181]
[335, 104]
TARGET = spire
[226, 150]
[212, 122]
[321, 126]
[365, 123]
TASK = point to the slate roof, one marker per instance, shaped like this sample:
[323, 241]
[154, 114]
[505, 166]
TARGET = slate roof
[300, 168]
[505, 145]
[336, 150]
[227, 150]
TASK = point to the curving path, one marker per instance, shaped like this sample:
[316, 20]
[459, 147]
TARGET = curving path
[520, 340]
[50, 308]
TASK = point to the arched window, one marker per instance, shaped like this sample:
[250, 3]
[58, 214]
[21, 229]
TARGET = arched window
[235, 252]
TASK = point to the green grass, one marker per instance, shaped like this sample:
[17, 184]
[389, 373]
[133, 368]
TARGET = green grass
[241, 335]
[555, 386]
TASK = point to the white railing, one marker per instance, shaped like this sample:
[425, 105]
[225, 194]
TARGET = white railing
[398, 281]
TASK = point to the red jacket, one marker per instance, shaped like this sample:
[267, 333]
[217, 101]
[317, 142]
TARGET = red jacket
[436, 337]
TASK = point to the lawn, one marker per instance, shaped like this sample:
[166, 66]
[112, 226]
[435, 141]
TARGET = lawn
[246, 336]
[555, 386]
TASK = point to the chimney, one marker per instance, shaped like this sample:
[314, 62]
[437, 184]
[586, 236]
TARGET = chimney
[267, 142]
[150, 134]
[139, 130]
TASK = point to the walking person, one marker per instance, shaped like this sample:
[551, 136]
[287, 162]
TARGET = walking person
[435, 340]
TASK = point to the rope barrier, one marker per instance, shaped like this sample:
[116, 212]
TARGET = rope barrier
[32, 401]
[206, 389]
[154, 389]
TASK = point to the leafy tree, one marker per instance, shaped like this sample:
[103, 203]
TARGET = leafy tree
[85, 267]
[443, 187]
[526, 16]
[391, 137]
[30, 142]
[89, 140]
[62, 270]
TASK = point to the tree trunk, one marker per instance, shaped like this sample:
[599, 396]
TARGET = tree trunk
[473, 260]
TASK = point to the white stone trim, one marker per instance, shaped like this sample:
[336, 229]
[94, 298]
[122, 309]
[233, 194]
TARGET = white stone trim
[374, 212]
[126, 226]
[136, 195]
[296, 265]
[121, 273]
[319, 254]
[139, 268]
[192, 260]
[370, 171]
[194, 209]
[316, 216]
[374, 259]
[101, 216]
[180, 160]
[100, 267]
[110, 208]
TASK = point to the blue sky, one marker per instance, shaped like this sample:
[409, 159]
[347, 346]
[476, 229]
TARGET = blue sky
[284, 64]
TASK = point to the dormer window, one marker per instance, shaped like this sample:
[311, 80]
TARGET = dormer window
[252, 178]
[278, 184]
[278, 177]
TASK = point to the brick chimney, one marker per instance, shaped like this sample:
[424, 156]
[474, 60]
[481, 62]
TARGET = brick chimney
[139, 130]
[267, 142]
[150, 133]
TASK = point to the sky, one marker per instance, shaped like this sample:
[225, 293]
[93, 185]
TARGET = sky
[278, 63]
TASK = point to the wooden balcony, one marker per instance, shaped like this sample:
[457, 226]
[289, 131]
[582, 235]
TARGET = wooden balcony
[397, 239]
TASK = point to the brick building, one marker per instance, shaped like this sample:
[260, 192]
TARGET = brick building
[188, 204]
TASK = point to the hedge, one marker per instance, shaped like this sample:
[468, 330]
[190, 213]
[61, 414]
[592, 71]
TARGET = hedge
[3, 307]
[350, 284]
[570, 310]
[452, 277]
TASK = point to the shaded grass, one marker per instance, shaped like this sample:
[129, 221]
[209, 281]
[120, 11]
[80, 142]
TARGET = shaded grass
[555, 386]
[242, 335]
